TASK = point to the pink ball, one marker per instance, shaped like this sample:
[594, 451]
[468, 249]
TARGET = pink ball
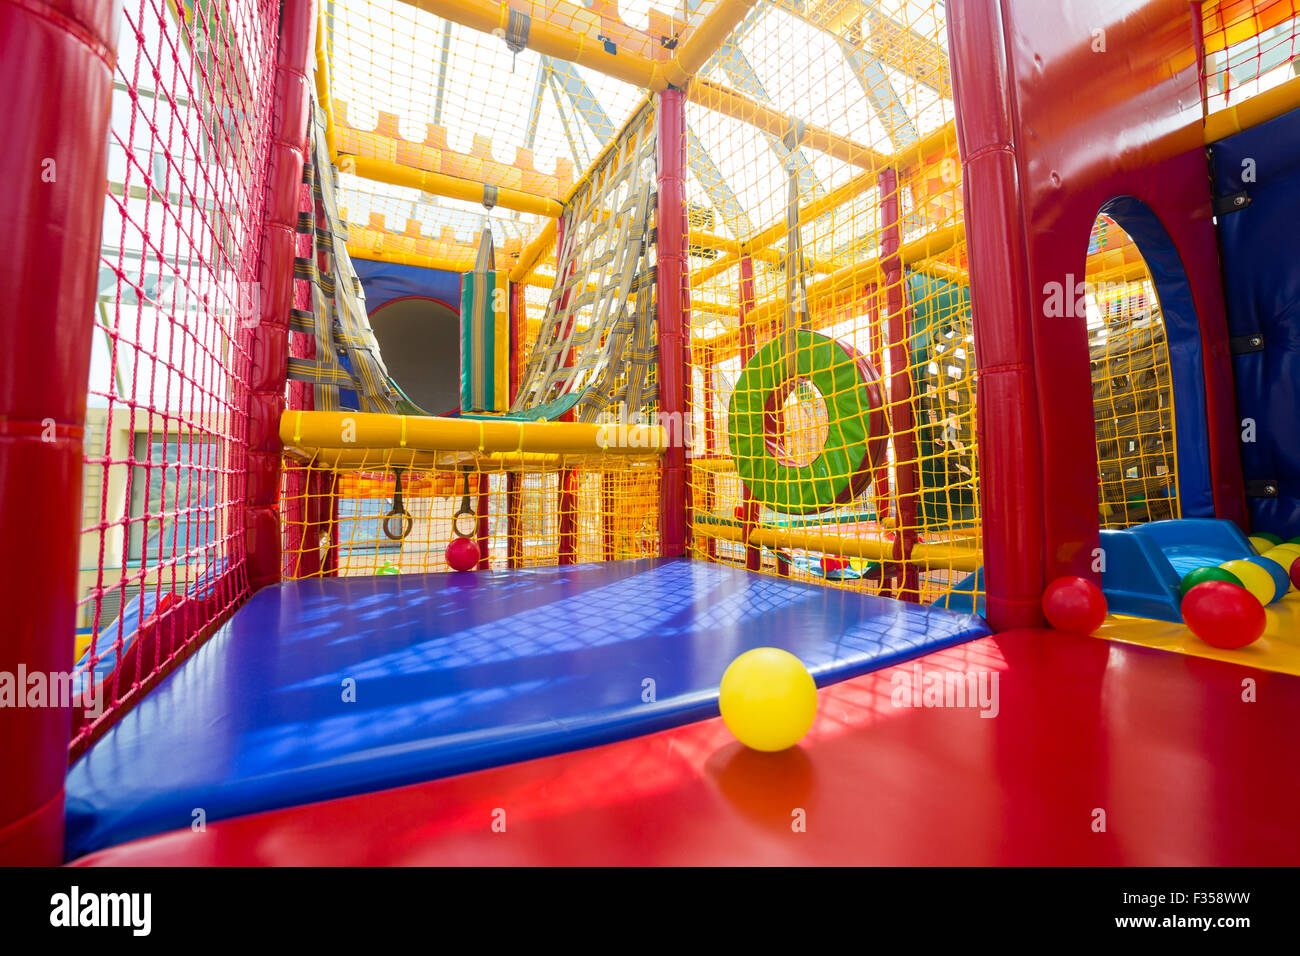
[463, 554]
[1074, 604]
[1223, 614]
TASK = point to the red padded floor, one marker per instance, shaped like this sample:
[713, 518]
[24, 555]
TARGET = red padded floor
[1185, 771]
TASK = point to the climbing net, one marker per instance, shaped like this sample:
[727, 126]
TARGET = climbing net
[162, 546]
[832, 353]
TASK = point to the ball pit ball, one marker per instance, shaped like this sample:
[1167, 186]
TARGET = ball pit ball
[1295, 573]
[463, 554]
[1281, 583]
[1223, 615]
[1074, 604]
[1193, 578]
[1253, 578]
[1267, 536]
[768, 699]
[1261, 543]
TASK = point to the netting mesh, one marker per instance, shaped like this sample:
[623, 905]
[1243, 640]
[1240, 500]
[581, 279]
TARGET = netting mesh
[521, 511]
[1250, 46]
[1132, 384]
[162, 547]
[833, 363]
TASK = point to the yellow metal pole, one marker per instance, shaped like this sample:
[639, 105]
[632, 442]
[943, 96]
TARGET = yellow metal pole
[952, 556]
[306, 430]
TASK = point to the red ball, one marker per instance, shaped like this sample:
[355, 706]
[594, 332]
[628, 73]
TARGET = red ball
[1295, 572]
[1223, 614]
[833, 562]
[463, 554]
[1074, 604]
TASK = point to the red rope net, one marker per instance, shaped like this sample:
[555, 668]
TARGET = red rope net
[162, 550]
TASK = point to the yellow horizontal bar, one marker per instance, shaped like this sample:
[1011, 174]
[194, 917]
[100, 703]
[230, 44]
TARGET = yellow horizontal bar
[728, 102]
[847, 279]
[1260, 108]
[409, 259]
[440, 184]
[946, 556]
[349, 430]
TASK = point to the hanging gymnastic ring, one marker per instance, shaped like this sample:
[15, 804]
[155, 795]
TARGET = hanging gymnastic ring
[463, 510]
[855, 439]
[398, 510]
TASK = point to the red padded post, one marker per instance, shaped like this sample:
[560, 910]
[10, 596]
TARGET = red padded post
[57, 74]
[749, 507]
[901, 415]
[672, 296]
[269, 343]
[514, 481]
[1010, 456]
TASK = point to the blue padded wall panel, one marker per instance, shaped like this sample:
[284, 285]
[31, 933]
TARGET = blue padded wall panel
[1261, 260]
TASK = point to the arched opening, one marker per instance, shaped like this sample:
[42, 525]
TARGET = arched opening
[419, 339]
[1132, 382]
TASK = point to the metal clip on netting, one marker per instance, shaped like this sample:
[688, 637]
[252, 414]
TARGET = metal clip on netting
[398, 510]
[516, 34]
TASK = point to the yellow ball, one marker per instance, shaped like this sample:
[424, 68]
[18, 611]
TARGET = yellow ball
[1254, 578]
[1283, 554]
[1261, 544]
[768, 699]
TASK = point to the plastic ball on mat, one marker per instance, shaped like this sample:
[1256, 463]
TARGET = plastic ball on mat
[389, 569]
[1193, 578]
[463, 554]
[1281, 583]
[1074, 604]
[1253, 578]
[1224, 615]
[768, 699]
[1272, 539]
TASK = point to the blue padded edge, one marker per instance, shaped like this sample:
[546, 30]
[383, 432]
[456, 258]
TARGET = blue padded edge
[456, 673]
[1260, 246]
[1183, 334]
[385, 281]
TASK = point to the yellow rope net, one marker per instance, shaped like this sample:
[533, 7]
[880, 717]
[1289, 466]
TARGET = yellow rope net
[1132, 384]
[833, 363]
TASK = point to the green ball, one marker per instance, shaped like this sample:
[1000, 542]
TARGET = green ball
[1292, 541]
[1193, 578]
[1271, 538]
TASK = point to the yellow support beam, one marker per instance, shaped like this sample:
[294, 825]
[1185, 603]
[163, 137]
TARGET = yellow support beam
[308, 432]
[945, 556]
[553, 40]
[440, 184]
[1260, 108]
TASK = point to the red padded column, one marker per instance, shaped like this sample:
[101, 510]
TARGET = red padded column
[269, 345]
[672, 296]
[56, 68]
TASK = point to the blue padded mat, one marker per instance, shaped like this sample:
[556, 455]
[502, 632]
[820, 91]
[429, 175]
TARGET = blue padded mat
[456, 673]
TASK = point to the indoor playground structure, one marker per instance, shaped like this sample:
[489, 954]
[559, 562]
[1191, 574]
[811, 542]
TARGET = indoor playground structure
[601, 431]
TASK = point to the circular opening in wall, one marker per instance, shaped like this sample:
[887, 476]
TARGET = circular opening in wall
[419, 340]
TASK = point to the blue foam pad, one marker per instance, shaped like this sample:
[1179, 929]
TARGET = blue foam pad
[456, 673]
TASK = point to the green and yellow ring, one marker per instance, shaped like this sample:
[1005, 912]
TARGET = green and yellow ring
[850, 388]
